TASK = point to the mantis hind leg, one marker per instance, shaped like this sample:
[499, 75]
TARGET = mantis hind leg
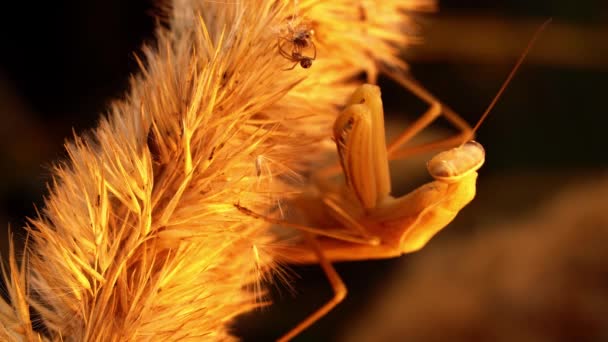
[337, 286]
[436, 109]
[362, 236]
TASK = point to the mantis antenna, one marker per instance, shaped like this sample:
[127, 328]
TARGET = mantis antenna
[502, 89]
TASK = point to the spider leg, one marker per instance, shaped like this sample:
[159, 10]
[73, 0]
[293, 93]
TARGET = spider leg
[286, 56]
[314, 49]
[282, 50]
[293, 66]
[296, 49]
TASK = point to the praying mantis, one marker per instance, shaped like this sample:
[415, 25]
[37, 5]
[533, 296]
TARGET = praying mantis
[372, 223]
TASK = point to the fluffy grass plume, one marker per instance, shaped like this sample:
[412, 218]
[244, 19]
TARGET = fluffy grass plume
[139, 238]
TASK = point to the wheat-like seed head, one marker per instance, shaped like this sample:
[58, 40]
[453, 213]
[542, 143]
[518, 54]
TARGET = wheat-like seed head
[139, 238]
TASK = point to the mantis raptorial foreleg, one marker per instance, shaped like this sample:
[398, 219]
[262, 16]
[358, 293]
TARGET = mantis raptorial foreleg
[379, 225]
[394, 150]
[406, 223]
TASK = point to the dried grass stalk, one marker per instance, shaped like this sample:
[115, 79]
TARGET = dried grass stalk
[139, 238]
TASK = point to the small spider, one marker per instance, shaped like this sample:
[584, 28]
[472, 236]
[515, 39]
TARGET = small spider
[300, 38]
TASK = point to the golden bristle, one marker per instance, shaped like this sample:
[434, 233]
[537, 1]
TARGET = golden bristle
[139, 238]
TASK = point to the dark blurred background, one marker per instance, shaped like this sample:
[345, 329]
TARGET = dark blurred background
[62, 62]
